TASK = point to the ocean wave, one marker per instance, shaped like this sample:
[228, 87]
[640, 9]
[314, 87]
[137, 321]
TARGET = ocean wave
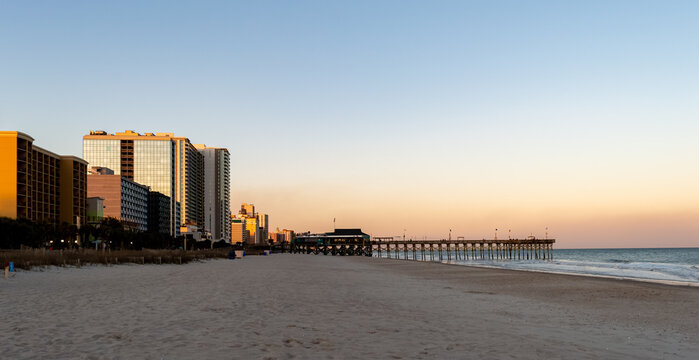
[627, 269]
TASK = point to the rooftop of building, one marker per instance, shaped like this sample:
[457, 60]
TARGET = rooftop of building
[130, 134]
[344, 232]
[18, 134]
[21, 135]
[99, 170]
[133, 135]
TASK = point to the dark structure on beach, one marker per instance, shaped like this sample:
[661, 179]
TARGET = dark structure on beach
[338, 242]
[355, 242]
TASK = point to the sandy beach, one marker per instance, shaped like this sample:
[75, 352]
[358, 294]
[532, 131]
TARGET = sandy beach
[306, 306]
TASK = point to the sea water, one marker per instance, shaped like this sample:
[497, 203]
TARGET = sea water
[672, 265]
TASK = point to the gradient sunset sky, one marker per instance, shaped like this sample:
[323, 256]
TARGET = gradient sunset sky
[582, 117]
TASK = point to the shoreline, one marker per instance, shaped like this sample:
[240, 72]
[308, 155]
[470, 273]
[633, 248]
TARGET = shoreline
[679, 283]
[612, 277]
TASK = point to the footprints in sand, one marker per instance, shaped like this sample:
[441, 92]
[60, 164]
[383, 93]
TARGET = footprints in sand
[326, 344]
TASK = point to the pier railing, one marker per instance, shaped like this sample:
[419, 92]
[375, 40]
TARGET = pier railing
[429, 250]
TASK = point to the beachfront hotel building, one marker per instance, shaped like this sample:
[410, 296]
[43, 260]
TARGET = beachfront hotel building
[217, 210]
[124, 199]
[167, 164]
[39, 185]
[189, 182]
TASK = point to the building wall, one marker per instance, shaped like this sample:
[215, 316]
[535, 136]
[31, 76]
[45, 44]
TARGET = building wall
[189, 182]
[134, 204]
[247, 209]
[43, 190]
[73, 190]
[107, 187]
[288, 235]
[147, 159]
[239, 233]
[253, 231]
[38, 184]
[217, 192]
[124, 199]
[158, 213]
[263, 225]
[103, 152]
[9, 173]
[95, 210]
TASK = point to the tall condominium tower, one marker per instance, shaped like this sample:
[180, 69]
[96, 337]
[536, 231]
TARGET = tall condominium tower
[217, 210]
[189, 182]
[167, 164]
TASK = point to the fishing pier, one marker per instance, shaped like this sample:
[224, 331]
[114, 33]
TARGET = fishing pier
[353, 242]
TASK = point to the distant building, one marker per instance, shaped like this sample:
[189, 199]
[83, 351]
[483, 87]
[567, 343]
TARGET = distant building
[263, 226]
[217, 207]
[247, 209]
[289, 235]
[39, 185]
[124, 199]
[281, 236]
[253, 231]
[239, 233]
[276, 237]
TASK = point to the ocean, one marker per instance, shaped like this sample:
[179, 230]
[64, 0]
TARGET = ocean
[669, 265]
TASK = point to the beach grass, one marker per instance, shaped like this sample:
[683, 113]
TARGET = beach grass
[27, 259]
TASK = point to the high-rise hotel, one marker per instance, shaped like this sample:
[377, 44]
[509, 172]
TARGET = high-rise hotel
[217, 207]
[174, 167]
[38, 185]
[167, 164]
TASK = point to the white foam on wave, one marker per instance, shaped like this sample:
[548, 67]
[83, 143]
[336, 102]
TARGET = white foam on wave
[676, 274]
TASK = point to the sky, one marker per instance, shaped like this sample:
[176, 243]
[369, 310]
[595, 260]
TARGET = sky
[576, 119]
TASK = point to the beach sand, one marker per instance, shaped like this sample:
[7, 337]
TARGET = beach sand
[314, 306]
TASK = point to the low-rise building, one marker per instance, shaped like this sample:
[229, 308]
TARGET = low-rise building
[124, 199]
[95, 210]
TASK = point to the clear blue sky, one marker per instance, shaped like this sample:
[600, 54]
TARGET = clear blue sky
[426, 115]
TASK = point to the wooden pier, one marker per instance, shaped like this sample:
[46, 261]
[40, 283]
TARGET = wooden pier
[441, 250]
[423, 250]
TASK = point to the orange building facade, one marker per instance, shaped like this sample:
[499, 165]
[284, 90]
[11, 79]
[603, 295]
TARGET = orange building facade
[39, 185]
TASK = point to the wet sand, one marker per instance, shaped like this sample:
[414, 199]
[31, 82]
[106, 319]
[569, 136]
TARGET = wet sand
[307, 306]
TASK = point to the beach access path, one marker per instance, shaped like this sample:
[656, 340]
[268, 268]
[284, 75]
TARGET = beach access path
[328, 307]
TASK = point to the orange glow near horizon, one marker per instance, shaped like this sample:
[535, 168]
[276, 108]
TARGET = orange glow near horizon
[614, 217]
